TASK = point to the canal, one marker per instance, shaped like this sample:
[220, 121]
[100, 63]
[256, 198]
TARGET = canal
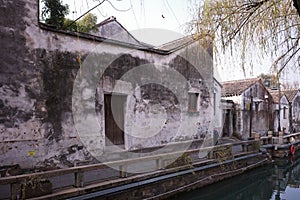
[278, 181]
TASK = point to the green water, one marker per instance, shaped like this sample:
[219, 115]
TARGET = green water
[278, 181]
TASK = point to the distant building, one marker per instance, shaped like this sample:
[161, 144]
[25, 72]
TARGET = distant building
[282, 115]
[253, 106]
[293, 96]
[228, 118]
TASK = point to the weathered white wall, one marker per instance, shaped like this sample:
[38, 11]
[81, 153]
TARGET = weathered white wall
[284, 120]
[261, 110]
[296, 112]
[218, 110]
[37, 78]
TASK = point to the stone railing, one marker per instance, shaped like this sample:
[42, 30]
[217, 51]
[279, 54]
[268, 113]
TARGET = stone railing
[281, 139]
[193, 157]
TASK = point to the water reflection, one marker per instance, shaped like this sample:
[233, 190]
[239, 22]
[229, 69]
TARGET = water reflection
[278, 181]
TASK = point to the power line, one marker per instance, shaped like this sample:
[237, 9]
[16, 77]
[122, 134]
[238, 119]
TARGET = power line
[112, 5]
[86, 13]
[103, 15]
[172, 12]
[134, 15]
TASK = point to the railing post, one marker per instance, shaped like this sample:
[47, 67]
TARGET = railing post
[280, 138]
[244, 147]
[123, 171]
[270, 134]
[257, 136]
[159, 163]
[210, 154]
[78, 179]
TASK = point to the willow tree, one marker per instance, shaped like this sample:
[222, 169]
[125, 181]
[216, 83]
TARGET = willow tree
[271, 24]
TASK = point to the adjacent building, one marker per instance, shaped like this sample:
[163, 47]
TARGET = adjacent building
[282, 115]
[253, 107]
[293, 96]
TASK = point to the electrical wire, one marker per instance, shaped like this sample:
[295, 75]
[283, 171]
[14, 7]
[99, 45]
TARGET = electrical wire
[86, 13]
[112, 5]
[137, 24]
[172, 12]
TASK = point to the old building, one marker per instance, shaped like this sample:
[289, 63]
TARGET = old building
[68, 96]
[253, 106]
[282, 115]
[294, 100]
[228, 118]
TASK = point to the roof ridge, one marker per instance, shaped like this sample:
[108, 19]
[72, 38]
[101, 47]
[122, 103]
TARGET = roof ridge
[240, 80]
[236, 87]
[290, 89]
[107, 20]
[178, 39]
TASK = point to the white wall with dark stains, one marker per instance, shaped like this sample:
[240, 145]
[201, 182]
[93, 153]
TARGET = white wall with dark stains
[262, 111]
[284, 115]
[296, 112]
[37, 100]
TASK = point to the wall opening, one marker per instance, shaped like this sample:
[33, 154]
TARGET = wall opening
[284, 113]
[193, 102]
[114, 106]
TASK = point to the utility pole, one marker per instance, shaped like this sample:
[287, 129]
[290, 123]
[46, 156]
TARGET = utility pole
[251, 114]
[279, 97]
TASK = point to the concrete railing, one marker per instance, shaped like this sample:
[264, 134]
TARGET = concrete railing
[189, 157]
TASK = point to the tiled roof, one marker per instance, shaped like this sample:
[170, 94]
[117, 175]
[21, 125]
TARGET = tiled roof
[110, 28]
[185, 41]
[177, 44]
[235, 88]
[275, 95]
[290, 94]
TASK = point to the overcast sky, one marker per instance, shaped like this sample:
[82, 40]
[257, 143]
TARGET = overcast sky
[139, 14]
[173, 15]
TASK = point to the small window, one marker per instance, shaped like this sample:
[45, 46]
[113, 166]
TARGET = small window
[193, 102]
[284, 113]
[256, 108]
[215, 103]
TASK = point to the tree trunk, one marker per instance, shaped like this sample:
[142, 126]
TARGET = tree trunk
[297, 5]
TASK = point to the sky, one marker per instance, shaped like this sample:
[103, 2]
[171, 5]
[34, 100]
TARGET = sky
[174, 15]
[139, 14]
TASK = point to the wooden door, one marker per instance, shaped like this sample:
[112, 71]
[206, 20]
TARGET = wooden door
[114, 119]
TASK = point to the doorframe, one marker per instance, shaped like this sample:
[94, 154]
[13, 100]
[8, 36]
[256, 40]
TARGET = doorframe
[122, 146]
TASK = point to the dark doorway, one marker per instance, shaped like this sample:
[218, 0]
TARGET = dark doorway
[226, 126]
[114, 119]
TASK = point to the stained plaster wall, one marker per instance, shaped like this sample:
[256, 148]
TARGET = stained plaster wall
[38, 71]
[284, 120]
[296, 112]
[218, 109]
[228, 118]
[262, 116]
[262, 110]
